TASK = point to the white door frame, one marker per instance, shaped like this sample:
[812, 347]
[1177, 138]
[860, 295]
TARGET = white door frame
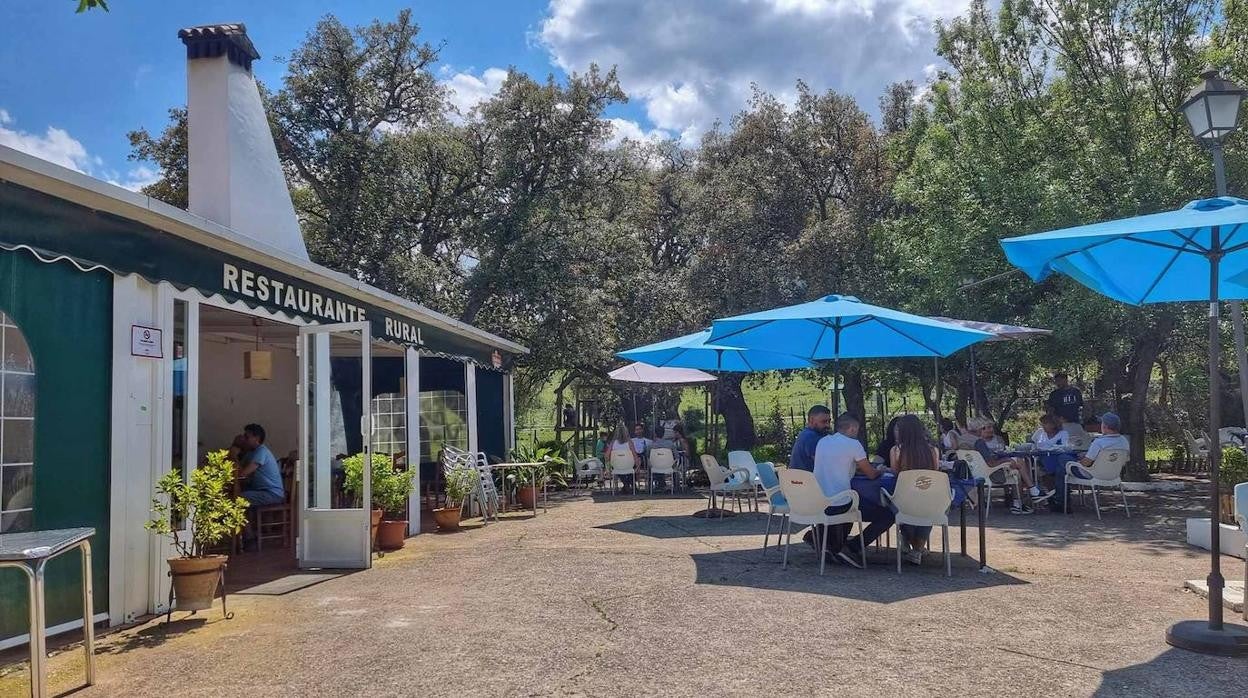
[411, 359]
[328, 537]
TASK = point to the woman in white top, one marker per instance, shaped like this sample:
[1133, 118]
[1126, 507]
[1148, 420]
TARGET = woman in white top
[621, 442]
[950, 434]
[1050, 434]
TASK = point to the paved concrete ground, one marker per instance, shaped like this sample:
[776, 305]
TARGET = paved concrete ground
[635, 597]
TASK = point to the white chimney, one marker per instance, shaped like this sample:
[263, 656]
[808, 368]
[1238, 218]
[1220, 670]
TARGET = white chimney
[236, 178]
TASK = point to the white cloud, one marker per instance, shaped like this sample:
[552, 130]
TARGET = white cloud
[137, 178]
[54, 145]
[626, 129]
[691, 63]
[465, 90]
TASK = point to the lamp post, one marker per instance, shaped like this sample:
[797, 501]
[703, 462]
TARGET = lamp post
[1212, 111]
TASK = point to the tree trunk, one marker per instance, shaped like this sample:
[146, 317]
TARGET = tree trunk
[856, 400]
[933, 393]
[738, 422]
[1141, 373]
[961, 403]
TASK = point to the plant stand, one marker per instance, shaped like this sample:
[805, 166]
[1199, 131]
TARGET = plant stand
[220, 572]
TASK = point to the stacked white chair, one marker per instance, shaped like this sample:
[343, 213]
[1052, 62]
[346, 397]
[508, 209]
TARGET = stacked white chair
[662, 462]
[808, 506]
[724, 482]
[1105, 471]
[922, 498]
[980, 470]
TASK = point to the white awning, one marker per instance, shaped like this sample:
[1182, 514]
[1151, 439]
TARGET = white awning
[645, 373]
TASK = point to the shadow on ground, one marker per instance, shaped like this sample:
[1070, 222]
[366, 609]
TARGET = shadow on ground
[1170, 674]
[1158, 519]
[879, 583]
[666, 527]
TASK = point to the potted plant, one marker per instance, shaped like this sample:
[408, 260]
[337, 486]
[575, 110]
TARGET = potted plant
[529, 480]
[198, 514]
[391, 493]
[353, 484]
[1233, 471]
[459, 482]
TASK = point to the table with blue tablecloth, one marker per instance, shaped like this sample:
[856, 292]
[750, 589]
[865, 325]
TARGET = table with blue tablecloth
[872, 506]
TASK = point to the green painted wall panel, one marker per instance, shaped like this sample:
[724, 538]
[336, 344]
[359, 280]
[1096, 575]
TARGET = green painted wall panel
[66, 316]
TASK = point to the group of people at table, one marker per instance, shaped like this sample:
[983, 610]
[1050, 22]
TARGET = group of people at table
[834, 453]
[671, 435]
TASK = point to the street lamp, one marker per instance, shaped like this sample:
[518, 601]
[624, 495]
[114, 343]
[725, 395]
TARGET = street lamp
[1212, 112]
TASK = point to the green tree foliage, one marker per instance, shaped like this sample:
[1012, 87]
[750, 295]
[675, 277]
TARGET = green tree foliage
[518, 216]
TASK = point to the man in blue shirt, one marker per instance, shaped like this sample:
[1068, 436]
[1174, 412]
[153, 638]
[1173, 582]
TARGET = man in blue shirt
[263, 483]
[818, 423]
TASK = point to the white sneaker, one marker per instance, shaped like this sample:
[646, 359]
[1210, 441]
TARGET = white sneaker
[1035, 491]
[1016, 509]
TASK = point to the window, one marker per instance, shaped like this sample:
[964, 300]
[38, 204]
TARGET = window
[17, 429]
[389, 423]
[443, 421]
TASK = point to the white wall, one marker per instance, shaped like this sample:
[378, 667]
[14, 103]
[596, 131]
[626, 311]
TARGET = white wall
[227, 401]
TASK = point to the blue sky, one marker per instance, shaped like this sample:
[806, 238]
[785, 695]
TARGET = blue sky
[71, 85]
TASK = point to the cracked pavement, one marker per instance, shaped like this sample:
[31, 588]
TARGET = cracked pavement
[634, 596]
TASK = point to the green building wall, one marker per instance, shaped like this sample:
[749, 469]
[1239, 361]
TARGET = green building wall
[66, 316]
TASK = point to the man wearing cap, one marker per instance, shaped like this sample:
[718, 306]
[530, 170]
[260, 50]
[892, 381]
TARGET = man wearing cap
[1110, 437]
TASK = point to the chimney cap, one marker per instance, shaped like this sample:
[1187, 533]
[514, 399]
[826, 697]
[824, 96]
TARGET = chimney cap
[213, 40]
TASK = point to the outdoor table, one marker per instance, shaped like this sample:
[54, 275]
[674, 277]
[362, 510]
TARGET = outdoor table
[868, 490]
[1033, 456]
[30, 553]
[533, 479]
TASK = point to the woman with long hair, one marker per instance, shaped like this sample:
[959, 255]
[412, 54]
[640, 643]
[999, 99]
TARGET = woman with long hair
[913, 451]
[885, 449]
[622, 441]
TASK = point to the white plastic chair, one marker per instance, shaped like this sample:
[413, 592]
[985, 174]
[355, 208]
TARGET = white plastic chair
[1105, 471]
[489, 492]
[777, 505]
[1241, 516]
[725, 482]
[808, 505]
[662, 462]
[1231, 436]
[587, 470]
[1198, 447]
[745, 459]
[922, 498]
[621, 464]
[980, 470]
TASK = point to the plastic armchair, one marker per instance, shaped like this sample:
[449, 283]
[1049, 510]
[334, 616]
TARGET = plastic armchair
[745, 459]
[980, 470]
[662, 462]
[587, 470]
[1105, 471]
[922, 498]
[621, 464]
[725, 482]
[777, 505]
[808, 505]
[1241, 516]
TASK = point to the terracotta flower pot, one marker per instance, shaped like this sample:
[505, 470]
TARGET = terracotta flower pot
[447, 518]
[374, 525]
[527, 494]
[195, 580]
[392, 534]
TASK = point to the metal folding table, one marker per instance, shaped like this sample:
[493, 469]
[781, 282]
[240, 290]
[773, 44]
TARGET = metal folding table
[30, 553]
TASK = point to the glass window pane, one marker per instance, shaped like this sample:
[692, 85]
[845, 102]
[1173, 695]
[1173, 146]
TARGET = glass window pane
[17, 441]
[17, 487]
[18, 399]
[16, 352]
[16, 522]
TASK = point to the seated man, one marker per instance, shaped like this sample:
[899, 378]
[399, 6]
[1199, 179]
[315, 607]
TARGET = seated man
[987, 435]
[838, 457]
[259, 469]
[1110, 437]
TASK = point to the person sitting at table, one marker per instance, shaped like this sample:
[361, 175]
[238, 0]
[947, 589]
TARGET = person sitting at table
[261, 476]
[1050, 435]
[620, 442]
[1111, 437]
[838, 458]
[885, 449]
[600, 446]
[914, 451]
[818, 422]
[950, 434]
[987, 431]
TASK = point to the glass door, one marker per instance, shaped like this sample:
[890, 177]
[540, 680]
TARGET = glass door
[335, 381]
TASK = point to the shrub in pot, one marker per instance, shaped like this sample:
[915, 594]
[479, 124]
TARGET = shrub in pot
[391, 493]
[459, 483]
[382, 468]
[1234, 470]
[528, 481]
[198, 514]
